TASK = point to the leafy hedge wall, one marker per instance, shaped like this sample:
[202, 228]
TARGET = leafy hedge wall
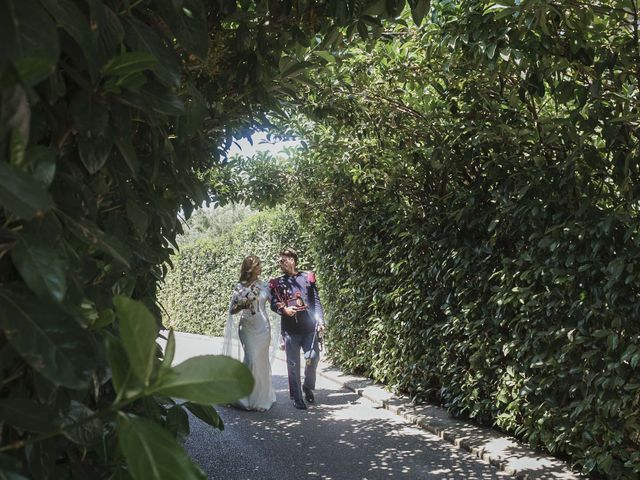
[473, 191]
[196, 292]
[114, 116]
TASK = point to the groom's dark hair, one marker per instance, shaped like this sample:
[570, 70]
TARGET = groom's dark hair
[290, 252]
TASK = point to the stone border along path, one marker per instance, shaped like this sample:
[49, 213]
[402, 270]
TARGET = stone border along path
[504, 452]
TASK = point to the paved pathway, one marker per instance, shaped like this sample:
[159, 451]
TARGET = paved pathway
[348, 436]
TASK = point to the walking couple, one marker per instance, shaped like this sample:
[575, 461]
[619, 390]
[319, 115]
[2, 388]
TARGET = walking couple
[250, 335]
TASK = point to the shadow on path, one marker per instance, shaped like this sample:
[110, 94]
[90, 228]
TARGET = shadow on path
[343, 437]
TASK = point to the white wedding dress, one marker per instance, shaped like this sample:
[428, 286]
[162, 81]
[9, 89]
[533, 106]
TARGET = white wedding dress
[248, 338]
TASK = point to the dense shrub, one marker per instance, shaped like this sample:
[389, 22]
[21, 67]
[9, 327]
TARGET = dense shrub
[472, 195]
[114, 117]
[197, 290]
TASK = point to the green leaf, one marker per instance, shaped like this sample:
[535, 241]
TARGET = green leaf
[105, 317]
[170, 350]
[142, 37]
[362, 30]
[129, 63]
[121, 371]
[47, 338]
[161, 100]
[79, 429]
[325, 56]
[32, 39]
[40, 260]
[206, 413]
[491, 51]
[91, 118]
[137, 216]
[419, 9]
[107, 36]
[21, 194]
[68, 16]
[42, 161]
[152, 453]
[178, 422]
[9, 466]
[138, 331]
[128, 152]
[196, 111]
[293, 67]
[42, 460]
[190, 28]
[17, 150]
[28, 415]
[92, 235]
[207, 379]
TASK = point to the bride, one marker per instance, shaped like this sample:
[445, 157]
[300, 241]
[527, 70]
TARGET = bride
[249, 336]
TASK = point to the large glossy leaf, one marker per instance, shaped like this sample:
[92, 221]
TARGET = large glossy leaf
[94, 152]
[122, 376]
[138, 330]
[82, 426]
[419, 8]
[137, 216]
[73, 21]
[207, 379]
[95, 140]
[20, 194]
[32, 38]
[92, 235]
[42, 162]
[206, 413]
[28, 415]
[170, 349]
[178, 422]
[152, 453]
[129, 63]
[47, 338]
[128, 152]
[143, 38]
[40, 260]
[108, 34]
[159, 99]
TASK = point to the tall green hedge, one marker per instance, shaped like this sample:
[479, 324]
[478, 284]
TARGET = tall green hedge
[473, 195]
[196, 291]
[114, 117]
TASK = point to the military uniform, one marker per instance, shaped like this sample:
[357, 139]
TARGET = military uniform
[299, 292]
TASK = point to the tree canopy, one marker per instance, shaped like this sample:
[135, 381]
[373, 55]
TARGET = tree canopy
[115, 116]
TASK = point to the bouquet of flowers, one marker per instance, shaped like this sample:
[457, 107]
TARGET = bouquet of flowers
[244, 297]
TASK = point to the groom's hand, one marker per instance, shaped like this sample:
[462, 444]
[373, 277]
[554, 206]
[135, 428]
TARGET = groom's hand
[288, 311]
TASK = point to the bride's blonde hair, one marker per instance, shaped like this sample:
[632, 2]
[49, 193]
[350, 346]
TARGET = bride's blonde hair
[248, 266]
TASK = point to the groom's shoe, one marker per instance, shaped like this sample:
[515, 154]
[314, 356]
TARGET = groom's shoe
[299, 404]
[308, 396]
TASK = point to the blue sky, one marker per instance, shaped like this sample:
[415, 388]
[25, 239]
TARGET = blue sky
[260, 144]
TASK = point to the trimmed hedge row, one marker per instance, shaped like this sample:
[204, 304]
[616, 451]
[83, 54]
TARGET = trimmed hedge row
[196, 292]
[479, 238]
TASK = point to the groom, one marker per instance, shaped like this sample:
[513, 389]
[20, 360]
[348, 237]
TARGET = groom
[295, 297]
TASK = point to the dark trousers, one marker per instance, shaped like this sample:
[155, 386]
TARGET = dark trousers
[293, 343]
